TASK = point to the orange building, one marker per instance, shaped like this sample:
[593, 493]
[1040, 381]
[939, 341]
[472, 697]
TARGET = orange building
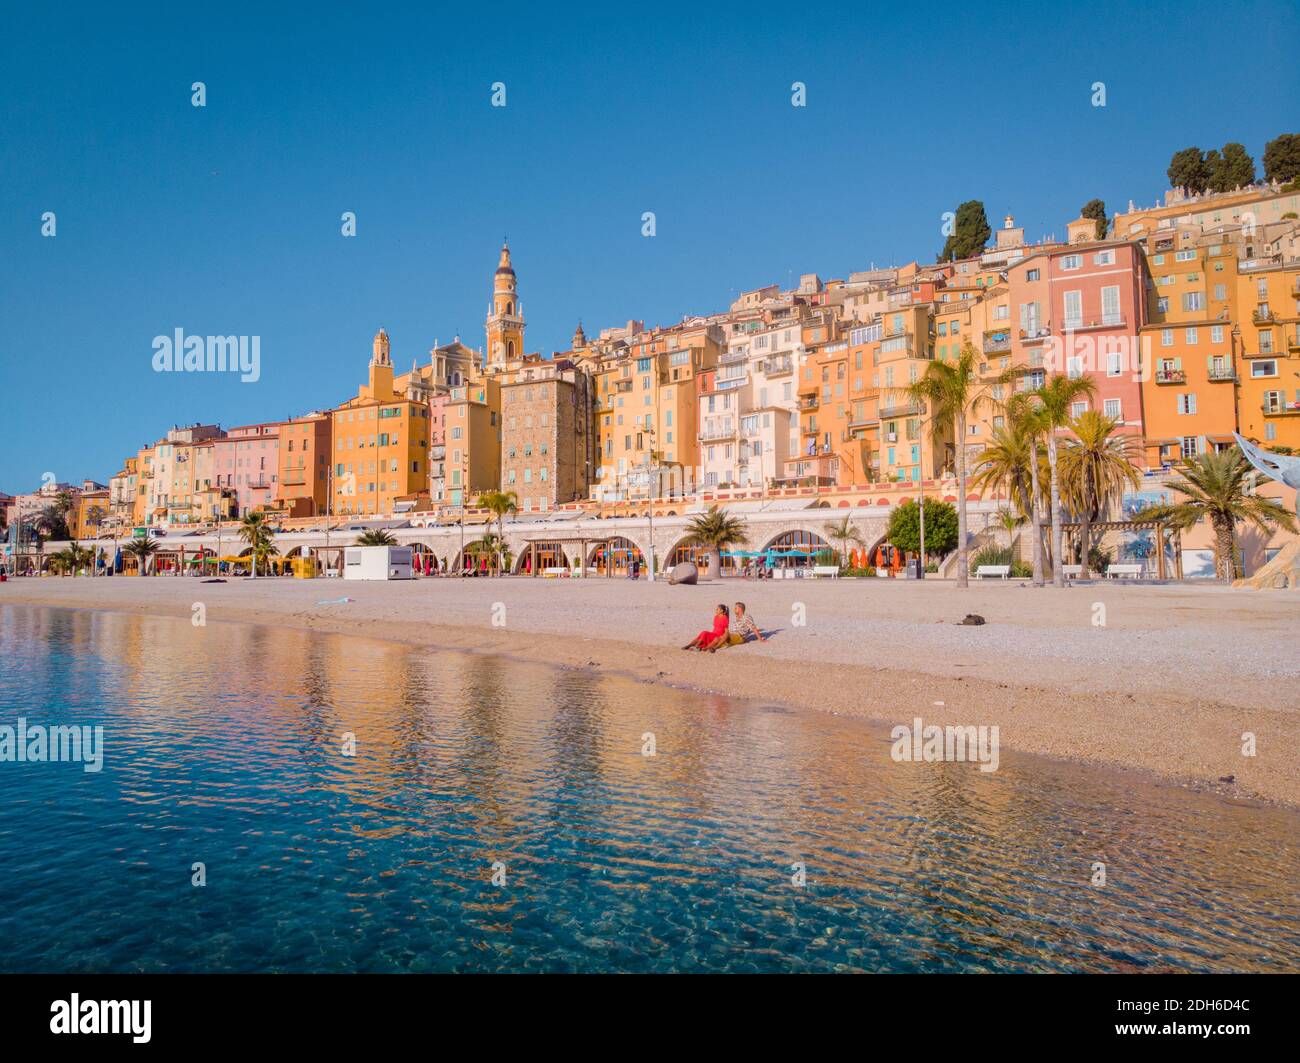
[1269, 349]
[302, 488]
[1189, 401]
[380, 443]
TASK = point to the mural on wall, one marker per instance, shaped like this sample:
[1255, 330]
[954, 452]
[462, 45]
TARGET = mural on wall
[1140, 546]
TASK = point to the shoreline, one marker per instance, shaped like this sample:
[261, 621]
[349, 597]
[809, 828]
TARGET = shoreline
[1054, 684]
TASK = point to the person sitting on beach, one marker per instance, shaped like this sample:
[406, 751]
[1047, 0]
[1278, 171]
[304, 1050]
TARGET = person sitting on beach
[744, 630]
[710, 639]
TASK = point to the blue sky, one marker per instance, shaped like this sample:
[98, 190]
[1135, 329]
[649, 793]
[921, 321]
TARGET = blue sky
[226, 219]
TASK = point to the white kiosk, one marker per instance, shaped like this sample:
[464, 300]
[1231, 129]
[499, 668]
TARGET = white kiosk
[377, 562]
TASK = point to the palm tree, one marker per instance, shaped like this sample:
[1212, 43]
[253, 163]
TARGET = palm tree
[51, 523]
[499, 503]
[376, 537]
[1055, 399]
[253, 530]
[714, 530]
[1015, 460]
[1213, 487]
[1009, 520]
[843, 533]
[1095, 468]
[954, 392]
[142, 549]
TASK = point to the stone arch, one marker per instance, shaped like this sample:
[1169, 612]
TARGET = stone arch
[799, 537]
[624, 551]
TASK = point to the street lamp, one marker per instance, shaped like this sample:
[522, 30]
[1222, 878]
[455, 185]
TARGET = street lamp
[650, 508]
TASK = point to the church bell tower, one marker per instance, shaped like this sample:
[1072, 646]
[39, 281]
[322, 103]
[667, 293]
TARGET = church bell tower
[505, 321]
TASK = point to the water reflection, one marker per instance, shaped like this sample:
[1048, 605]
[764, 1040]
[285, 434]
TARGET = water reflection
[223, 746]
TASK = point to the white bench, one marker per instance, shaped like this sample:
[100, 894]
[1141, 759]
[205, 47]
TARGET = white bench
[826, 570]
[554, 572]
[1130, 571]
[1072, 571]
[993, 571]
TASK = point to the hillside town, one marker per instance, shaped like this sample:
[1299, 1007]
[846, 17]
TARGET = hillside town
[1185, 316]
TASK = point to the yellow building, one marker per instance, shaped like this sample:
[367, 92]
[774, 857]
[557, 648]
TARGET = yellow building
[380, 443]
[473, 441]
[647, 410]
[303, 477]
[1269, 349]
[1189, 402]
[906, 349]
[90, 513]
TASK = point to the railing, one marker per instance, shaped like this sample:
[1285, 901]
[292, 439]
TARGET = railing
[1171, 376]
[1262, 317]
[909, 409]
[993, 346]
[1281, 409]
[778, 366]
[1219, 374]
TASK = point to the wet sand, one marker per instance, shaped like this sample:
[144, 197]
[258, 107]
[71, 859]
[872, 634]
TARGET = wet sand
[1167, 684]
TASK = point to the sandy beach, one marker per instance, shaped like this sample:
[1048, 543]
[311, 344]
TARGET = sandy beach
[1168, 684]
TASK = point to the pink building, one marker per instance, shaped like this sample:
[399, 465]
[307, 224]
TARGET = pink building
[248, 460]
[1080, 310]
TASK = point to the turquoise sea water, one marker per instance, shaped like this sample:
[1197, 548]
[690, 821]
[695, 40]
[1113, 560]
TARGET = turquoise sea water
[223, 746]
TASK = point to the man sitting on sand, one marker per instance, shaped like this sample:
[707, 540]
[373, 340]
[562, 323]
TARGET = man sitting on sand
[743, 629]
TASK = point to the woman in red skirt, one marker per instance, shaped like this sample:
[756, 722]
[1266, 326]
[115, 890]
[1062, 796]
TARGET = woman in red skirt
[716, 636]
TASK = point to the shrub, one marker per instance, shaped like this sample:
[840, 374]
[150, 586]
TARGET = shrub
[850, 570]
[992, 555]
[940, 527]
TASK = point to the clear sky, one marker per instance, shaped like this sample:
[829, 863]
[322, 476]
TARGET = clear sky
[225, 219]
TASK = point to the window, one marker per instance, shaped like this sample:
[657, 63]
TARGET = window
[1193, 301]
[1071, 262]
[1190, 446]
[1077, 409]
[1115, 363]
[1110, 313]
[1073, 309]
[1166, 337]
[1185, 256]
[1031, 275]
[1104, 258]
[1264, 368]
[1074, 367]
[1111, 408]
[1216, 334]
[1187, 403]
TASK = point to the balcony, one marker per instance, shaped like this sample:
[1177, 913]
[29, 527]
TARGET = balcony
[623, 385]
[997, 345]
[909, 409]
[1281, 409]
[1171, 376]
[1263, 317]
[1220, 373]
[438, 452]
[809, 402]
[778, 366]
[1036, 334]
[1293, 344]
[1079, 324]
[717, 433]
